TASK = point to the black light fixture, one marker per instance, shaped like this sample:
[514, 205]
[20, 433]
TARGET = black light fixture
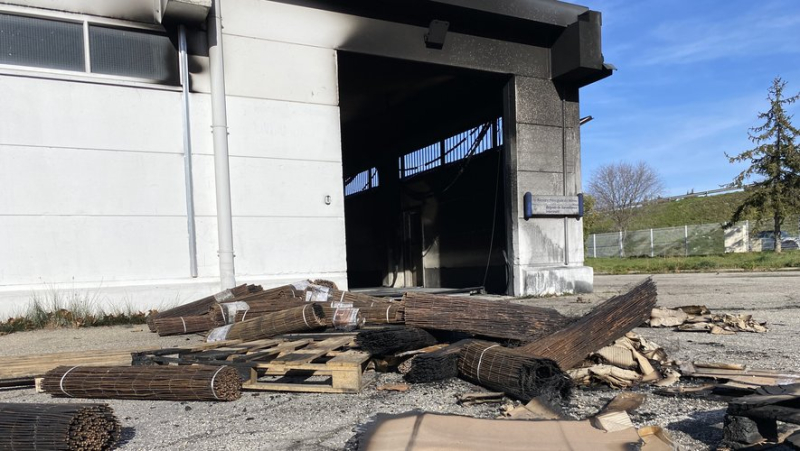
[437, 31]
[585, 119]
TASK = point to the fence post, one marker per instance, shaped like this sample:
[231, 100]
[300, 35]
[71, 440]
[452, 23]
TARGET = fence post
[686, 239]
[621, 249]
[594, 244]
[747, 245]
[652, 253]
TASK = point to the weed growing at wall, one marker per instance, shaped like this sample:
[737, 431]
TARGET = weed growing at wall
[56, 310]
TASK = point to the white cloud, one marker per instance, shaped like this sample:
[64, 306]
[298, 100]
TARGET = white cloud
[769, 29]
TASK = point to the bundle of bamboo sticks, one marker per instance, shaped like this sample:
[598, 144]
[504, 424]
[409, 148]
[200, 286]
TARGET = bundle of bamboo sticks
[235, 312]
[436, 365]
[201, 306]
[185, 325]
[518, 375]
[168, 383]
[389, 341]
[88, 427]
[490, 318]
[606, 323]
[390, 313]
[297, 319]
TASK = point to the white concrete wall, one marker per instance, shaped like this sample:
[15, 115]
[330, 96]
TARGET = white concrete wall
[93, 191]
[93, 203]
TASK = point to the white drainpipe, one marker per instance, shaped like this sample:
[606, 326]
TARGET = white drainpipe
[187, 150]
[219, 127]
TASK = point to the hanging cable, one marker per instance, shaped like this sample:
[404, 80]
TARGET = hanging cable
[494, 219]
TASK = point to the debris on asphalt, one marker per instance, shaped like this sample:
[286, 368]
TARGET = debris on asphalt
[425, 431]
[695, 318]
[624, 363]
[614, 415]
[393, 387]
[310, 337]
[470, 399]
[535, 409]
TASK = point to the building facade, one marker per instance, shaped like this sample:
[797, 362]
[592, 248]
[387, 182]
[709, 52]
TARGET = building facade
[149, 156]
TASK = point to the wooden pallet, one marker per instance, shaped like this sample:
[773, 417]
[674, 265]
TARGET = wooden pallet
[299, 364]
[296, 363]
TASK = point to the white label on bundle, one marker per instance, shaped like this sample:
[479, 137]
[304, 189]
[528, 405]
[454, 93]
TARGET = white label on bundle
[341, 305]
[300, 286]
[346, 318]
[317, 293]
[219, 334]
[233, 308]
[224, 296]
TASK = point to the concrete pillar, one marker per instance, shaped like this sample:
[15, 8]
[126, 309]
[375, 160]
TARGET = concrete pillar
[534, 162]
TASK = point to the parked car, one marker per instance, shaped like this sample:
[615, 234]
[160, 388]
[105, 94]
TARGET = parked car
[767, 238]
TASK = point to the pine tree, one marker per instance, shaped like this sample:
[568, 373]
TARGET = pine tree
[774, 162]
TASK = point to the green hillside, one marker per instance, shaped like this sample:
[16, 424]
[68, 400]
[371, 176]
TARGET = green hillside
[693, 210]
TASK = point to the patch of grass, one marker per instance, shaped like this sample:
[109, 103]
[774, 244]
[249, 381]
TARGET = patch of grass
[694, 210]
[57, 310]
[754, 261]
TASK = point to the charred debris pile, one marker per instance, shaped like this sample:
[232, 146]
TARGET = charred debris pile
[312, 337]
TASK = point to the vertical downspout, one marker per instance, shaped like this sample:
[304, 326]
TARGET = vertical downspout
[564, 169]
[219, 128]
[187, 149]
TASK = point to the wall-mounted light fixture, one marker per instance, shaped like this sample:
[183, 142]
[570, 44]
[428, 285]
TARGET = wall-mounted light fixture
[437, 31]
[585, 119]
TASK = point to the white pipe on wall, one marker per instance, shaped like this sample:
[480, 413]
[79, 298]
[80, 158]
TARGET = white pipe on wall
[219, 128]
[187, 150]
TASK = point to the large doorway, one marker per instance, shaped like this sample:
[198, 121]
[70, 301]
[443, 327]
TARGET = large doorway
[423, 165]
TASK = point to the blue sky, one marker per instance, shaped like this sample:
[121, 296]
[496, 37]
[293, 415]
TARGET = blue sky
[692, 77]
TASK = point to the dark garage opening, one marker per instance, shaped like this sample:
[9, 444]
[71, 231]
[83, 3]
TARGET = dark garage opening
[423, 174]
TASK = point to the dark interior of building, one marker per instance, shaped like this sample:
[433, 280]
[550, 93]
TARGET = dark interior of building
[421, 149]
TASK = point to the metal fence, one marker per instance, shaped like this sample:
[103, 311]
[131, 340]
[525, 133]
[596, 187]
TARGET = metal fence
[699, 239]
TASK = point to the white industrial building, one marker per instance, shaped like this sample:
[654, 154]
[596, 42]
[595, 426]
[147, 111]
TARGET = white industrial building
[125, 182]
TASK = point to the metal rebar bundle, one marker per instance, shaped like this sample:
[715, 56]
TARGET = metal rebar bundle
[490, 318]
[390, 341]
[437, 365]
[201, 306]
[184, 325]
[235, 312]
[600, 327]
[515, 374]
[167, 383]
[79, 427]
[296, 319]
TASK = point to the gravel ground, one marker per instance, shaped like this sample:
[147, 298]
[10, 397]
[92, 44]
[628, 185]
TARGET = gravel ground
[283, 421]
